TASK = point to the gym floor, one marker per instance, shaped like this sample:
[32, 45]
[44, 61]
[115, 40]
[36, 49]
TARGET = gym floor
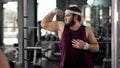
[50, 64]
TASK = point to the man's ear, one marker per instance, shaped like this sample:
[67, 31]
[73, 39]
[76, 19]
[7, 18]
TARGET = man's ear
[76, 16]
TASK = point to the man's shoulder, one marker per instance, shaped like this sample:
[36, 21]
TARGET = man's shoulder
[88, 29]
[61, 23]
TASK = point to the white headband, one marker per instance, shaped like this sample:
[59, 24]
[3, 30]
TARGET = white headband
[70, 11]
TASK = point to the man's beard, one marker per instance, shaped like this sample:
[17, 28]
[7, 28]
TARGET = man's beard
[70, 23]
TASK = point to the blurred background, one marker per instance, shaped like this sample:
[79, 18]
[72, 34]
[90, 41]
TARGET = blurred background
[27, 45]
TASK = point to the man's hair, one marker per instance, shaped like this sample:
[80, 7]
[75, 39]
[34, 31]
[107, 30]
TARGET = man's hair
[74, 9]
[77, 10]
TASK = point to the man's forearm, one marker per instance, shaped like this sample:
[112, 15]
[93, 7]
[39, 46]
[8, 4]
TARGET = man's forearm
[93, 47]
[49, 17]
[46, 19]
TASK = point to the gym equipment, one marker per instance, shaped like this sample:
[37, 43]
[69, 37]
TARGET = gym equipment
[100, 22]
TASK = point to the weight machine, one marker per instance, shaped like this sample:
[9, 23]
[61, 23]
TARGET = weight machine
[23, 60]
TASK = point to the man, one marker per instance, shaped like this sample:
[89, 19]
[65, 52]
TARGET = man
[77, 41]
[3, 60]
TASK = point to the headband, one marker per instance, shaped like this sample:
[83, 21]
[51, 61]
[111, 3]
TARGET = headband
[70, 11]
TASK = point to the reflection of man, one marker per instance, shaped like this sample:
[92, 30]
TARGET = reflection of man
[3, 60]
[77, 41]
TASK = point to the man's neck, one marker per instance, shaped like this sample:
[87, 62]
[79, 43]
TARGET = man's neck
[76, 26]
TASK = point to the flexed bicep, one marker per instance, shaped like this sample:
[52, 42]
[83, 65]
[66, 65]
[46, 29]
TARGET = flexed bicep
[48, 23]
[52, 26]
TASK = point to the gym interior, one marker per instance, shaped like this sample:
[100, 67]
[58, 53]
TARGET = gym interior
[27, 45]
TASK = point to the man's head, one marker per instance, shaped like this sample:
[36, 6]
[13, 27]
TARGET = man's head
[72, 14]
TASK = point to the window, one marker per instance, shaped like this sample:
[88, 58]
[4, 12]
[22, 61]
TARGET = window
[10, 23]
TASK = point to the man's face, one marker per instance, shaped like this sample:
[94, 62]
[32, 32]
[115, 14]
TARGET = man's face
[69, 21]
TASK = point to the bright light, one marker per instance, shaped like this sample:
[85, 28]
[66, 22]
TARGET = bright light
[10, 5]
[44, 7]
[90, 2]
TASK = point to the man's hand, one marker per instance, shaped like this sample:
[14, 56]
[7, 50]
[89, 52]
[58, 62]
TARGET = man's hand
[77, 43]
[59, 12]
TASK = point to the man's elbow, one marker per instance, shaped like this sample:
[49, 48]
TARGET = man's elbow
[43, 24]
[97, 49]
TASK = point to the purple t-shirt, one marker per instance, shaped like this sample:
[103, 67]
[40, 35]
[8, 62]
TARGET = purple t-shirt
[73, 57]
